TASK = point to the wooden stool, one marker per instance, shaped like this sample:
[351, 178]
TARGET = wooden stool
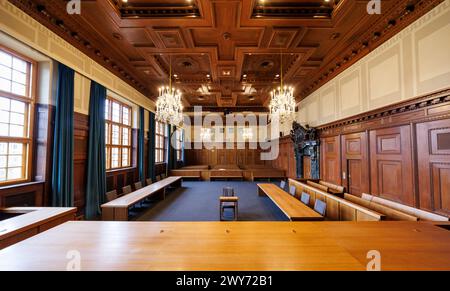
[228, 202]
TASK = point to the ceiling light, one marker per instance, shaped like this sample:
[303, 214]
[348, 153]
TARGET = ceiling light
[175, 76]
[244, 76]
[282, 103]
[208, 76]
[168, 105]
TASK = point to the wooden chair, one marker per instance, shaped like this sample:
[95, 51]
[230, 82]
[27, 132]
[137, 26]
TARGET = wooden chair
[138, 185]
[111, 195]
[126, 190]
[305, 198]
[163, 176]
[158, 178]
[148, 181]
[283, 184]
[320, 207]
[292, 190]
[228, 200]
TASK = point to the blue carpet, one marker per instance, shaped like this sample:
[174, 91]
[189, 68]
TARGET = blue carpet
[199, 201]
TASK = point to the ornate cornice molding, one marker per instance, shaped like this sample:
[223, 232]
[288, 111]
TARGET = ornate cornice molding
[396, 20]
[428, 101]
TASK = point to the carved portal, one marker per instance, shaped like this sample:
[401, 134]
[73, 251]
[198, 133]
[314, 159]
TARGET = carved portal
[306, 144]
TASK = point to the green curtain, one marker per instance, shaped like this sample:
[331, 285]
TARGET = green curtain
[151, 147]
[141, 145]
[62, 168]
[96, 168]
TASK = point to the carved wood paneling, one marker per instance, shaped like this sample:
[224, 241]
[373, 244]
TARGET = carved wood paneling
[433, 145]
[331, 159]
[391, 164]
[355, 163]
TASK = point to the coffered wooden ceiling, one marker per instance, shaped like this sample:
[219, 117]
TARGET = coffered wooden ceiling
[226, 53]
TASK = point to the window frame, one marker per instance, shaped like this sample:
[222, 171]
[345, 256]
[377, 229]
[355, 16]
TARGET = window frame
[179, 142]
[29, 123]
[158, 136]
[109, 123]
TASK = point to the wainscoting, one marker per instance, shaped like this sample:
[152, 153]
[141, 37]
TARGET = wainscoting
[400, 152]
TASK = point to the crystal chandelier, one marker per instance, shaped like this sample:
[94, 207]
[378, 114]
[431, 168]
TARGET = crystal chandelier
[282, 103]
[169, 108]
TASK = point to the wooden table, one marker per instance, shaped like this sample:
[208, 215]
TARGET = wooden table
[293, 208]
[117, 209]
[31, 221]
[256, 246]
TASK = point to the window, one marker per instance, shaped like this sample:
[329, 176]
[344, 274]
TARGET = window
[160, 142]
[16, 108]
[179, 147]
[117, 134]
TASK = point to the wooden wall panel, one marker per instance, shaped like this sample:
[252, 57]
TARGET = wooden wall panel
[433, 144]
[392, 165]
[331, 159]
[355, 163]
[81, 137]
[213, 157]
[286, 157]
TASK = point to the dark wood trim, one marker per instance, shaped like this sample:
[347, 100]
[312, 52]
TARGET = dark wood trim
[428, 107]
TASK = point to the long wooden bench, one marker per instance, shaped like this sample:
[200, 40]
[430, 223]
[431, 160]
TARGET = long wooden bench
[225, 174]
[186, 173]
[421, 214]
[338, 208]
[268, 173]
[291, 207]
[117, 209]
[391, 214]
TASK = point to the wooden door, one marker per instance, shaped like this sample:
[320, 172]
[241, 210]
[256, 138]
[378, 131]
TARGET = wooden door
[331, 160]
[433, 147]
[355, 163]
[355, 177]
[391, 166]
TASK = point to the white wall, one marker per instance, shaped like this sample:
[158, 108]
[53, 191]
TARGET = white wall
[414, 62]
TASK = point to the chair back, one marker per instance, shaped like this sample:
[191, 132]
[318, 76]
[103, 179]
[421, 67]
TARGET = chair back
[111, 195]
[228, 191]
[138, 185]
[283, 184]
[126, 190]
[305, 198]
[158, 178]
[320, 207]
[292, 190]
[163, 176]
[148, 181]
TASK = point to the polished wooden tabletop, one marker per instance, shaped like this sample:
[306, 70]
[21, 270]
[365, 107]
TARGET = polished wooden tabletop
[233, 246]
[31, 216]
[291, 206]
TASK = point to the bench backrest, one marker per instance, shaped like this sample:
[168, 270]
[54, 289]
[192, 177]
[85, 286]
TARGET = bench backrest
[111, 195]
[337, 208]
[391, 214]
[421, 214]
[332, 186]
[318, 186]
[126, 190]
